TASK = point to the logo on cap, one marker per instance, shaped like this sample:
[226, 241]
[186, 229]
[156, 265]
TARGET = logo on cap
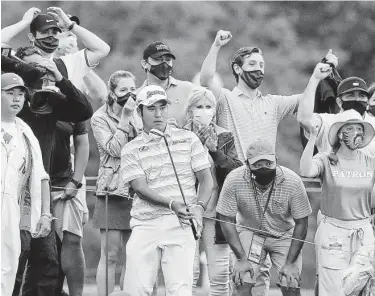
[355, 84]
[14, 78]
[155, 92]
[162, 47]
[48, 21]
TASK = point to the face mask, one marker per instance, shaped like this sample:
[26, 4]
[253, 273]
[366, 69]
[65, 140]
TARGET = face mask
[253, 79]
[47, 44]
[122, 100]
[264, 176]
[360, 107]
[352, 140]
[203, 116]
[161, 71]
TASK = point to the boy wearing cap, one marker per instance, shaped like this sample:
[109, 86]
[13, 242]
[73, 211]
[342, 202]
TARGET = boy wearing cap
[271, 202]
[160, 236]
[22, 173]
[245, 111]
[158, 62]
[352, 94]
[44, 32]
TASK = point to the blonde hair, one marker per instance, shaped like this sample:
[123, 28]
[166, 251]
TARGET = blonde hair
[197, 94]
[113, 82]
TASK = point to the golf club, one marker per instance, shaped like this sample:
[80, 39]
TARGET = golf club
[160, 134]
[106, 241]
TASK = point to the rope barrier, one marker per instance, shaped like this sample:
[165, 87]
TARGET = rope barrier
[235, 224]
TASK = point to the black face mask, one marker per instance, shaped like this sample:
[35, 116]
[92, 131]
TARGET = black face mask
[122, 100]
[360, 107]
[253, 79]
[47, 44]
[264, 176]
[161, 71]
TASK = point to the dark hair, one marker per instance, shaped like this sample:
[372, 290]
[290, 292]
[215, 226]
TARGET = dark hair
[113, 82]
[27, 51]
[239, 60]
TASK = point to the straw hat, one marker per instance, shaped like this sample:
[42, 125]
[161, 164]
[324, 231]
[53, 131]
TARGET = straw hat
[350, 117]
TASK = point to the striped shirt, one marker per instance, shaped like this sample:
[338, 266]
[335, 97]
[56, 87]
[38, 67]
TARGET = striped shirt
[288, 201]
[252, 119]
[147, 157]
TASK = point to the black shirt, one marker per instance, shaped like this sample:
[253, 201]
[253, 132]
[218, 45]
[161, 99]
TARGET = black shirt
[75, 108]
[61, 166]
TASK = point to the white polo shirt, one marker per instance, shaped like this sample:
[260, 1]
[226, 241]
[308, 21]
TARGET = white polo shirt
[147, 156]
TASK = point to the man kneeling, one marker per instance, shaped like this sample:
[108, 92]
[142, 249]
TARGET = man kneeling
[271, 203]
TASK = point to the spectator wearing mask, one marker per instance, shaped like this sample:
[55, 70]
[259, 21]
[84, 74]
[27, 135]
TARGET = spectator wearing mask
[112, 125]
[61, 101]
[22, 173]
[347, 176]
[92, 86]
[371, 102]
[44, 34]
[158, 61]
[245, 111]
[272, 202]
[161, 232]
[219, 143]
[352, 94]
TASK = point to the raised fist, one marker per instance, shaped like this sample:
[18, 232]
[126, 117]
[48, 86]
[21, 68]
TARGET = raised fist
[222, 38]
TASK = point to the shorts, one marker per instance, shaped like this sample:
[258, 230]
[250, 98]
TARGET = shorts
[69, 213]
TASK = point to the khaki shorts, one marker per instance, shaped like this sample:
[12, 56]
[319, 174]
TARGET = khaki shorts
[276, 248]
[69, 213]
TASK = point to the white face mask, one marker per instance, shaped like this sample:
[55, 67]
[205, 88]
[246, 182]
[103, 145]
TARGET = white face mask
[203, 116]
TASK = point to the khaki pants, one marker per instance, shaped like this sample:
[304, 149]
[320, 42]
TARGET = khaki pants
[277, 249]
[336, 243]
[155, 243]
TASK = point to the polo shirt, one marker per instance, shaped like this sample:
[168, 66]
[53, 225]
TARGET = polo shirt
[77, 66]
[147, 157]
[327, 120]
[252, 119]
[178, 93]
[288, 201]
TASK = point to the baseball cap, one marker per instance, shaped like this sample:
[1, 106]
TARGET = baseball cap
[259, 150]
[43, 22]
[350, 84]
[243, 51]
[151, 94]
[157, 49]
[11, 80]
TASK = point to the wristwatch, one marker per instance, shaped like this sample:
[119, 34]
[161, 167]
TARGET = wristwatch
[78, 184]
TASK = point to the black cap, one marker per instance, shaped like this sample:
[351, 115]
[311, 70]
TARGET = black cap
[351, 84]
[157, 49]
[43, 22]
[243, 51]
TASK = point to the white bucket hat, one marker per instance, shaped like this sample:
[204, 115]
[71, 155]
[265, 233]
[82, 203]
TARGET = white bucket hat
[350, 117]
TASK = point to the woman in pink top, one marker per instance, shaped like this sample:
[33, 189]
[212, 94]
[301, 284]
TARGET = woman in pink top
[347, 176]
